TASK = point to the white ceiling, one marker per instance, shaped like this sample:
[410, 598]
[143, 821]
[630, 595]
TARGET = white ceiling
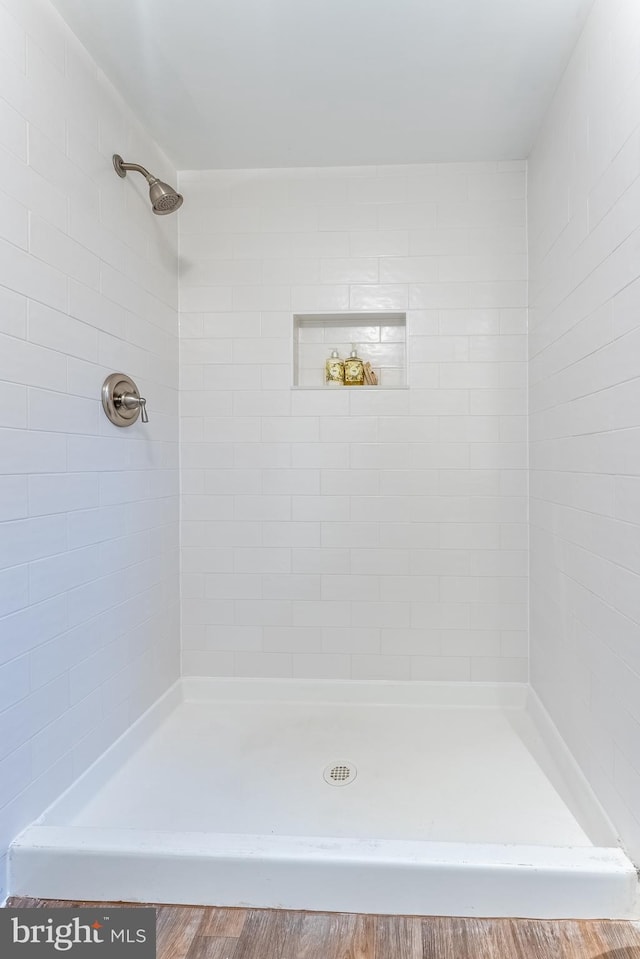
[262, 83]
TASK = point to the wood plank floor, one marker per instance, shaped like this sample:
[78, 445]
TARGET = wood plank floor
[204, 932]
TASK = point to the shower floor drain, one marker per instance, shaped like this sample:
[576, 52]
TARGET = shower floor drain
[340, 773]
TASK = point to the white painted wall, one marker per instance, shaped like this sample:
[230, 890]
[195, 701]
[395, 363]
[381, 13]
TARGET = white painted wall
[584, 241]
[88, 513]
[345, 533]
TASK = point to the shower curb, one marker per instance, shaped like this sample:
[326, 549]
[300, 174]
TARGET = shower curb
[330, 875]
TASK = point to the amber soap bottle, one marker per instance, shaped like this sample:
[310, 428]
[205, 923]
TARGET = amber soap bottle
[353, 369]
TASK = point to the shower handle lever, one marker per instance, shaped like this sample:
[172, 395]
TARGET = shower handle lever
[132, 402]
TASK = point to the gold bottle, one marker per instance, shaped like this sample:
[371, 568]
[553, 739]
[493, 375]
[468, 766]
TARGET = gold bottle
[334, 370]
[353, 369]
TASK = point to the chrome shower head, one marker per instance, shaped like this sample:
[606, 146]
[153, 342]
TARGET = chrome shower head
[164, 199]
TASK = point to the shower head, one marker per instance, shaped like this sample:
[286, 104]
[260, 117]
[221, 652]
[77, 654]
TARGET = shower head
[164, 199]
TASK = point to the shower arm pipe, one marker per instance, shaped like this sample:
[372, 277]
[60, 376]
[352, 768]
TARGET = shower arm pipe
[138, 169]
[122, 168]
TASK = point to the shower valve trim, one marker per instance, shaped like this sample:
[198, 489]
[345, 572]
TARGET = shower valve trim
[121, 400]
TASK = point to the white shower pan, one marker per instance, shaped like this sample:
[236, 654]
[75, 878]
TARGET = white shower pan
[448, 800]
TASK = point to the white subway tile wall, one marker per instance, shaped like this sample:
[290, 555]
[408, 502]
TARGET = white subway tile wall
[584, 235]
[89, 622]
[348, 533]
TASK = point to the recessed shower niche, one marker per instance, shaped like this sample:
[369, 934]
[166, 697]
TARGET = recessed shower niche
[379, 339]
